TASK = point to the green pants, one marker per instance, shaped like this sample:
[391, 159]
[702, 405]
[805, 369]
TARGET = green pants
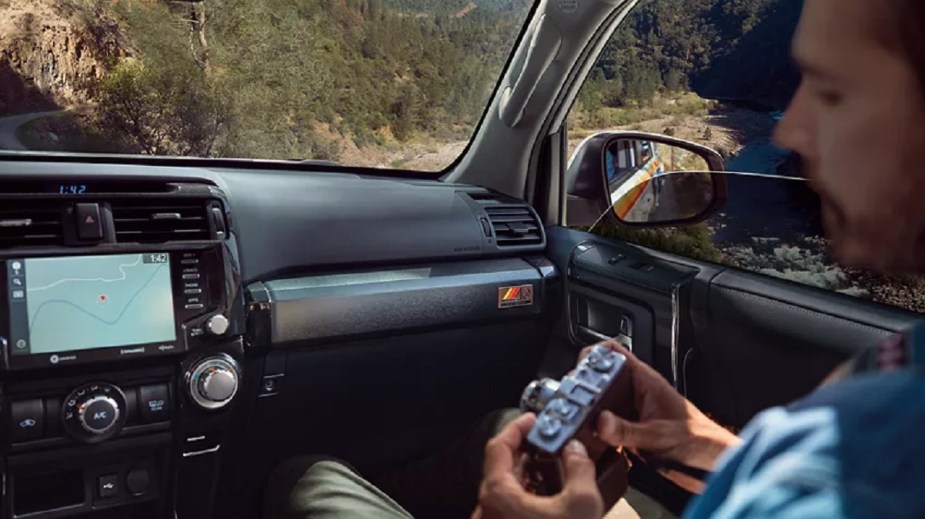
[443, 486]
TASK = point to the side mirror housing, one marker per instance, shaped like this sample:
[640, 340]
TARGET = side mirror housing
[644, 180]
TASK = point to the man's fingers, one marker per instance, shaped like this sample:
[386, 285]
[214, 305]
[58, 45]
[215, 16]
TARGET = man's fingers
[580, 492]
[501, 451]
[617, 432]
[477, 514]
[579, 469]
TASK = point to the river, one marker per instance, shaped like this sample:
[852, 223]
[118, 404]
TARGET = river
[765, 202]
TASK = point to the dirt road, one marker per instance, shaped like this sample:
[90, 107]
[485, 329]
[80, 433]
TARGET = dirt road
[10, 124]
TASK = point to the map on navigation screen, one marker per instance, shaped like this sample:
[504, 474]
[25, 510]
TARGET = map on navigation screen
[85, 302]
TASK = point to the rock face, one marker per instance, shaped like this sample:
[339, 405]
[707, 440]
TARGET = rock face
[52, 53]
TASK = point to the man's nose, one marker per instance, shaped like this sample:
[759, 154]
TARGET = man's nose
[794, 132]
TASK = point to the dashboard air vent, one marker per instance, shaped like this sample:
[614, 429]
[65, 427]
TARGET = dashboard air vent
[25, 223]
[514, 226]
[159, 220]
[484, 197]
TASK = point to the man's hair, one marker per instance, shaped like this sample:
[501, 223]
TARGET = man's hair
[900, 27]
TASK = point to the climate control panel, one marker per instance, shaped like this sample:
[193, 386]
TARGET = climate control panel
[94, 412]
[90, 412]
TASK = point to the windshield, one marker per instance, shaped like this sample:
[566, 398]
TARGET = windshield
[375, 83]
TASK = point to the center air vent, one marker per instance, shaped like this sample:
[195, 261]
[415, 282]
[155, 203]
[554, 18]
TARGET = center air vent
[27, 223]
[160, 220]
[514, 226]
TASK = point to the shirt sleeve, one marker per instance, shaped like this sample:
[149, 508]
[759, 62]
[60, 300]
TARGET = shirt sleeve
[786, 467]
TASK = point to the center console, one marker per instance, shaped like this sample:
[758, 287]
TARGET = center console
[121, 322]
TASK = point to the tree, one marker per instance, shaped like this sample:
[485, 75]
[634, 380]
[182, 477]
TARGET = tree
[404, 113]
[373, 9]
[160, 111]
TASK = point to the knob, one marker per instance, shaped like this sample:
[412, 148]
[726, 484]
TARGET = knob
[537, 394]
[94, 412]
[217, 324]
[548, 426]
[98, 414]
[213, 382]
[601, 361]
[218, 384]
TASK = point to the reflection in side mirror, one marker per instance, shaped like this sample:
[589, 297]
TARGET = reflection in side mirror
[669, 197]
[654, 183]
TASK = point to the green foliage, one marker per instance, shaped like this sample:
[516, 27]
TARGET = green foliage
[157, 111]
[719, 48]
[296, 79]
[436, 7]
[694, 242]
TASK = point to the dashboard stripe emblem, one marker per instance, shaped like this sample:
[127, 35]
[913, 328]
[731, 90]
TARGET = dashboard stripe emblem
[512, 297]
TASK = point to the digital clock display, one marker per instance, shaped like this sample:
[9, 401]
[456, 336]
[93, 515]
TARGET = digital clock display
[71, 189]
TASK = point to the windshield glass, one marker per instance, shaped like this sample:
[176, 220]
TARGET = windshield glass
[374, 83]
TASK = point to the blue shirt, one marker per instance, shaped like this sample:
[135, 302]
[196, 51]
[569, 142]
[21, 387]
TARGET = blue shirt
[855, 448]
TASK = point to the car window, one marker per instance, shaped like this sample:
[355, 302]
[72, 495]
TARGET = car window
[719, 73]
[375, 83]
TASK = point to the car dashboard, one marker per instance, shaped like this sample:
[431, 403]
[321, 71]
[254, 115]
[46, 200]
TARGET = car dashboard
[154, 314]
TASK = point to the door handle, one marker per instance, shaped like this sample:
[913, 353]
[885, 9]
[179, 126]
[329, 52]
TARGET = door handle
[587, 333]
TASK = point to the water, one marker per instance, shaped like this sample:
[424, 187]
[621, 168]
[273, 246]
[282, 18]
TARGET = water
[768, 206]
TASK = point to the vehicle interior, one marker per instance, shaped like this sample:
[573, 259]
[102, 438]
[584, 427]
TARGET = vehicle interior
[291, 308]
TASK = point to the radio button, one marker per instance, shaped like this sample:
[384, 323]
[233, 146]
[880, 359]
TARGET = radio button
[196, 306]
[189, 261]
[154, 403]
[192, 291]
[27, 420]
[190, 276]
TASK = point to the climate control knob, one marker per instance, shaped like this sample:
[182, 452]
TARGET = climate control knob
[98, 415]
[213, 382]
[94, 412]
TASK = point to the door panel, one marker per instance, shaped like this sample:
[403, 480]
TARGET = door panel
[771, 341]
[734, 342]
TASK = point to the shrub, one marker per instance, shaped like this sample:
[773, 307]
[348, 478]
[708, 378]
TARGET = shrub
[160, 111]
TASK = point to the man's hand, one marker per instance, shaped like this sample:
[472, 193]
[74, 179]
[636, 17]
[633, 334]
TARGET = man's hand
[502, 495]
[669, 425]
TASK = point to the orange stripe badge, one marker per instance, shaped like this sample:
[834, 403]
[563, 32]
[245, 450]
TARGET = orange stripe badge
[512, 297]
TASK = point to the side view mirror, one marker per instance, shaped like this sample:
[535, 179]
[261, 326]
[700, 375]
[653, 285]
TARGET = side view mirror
[644, 180]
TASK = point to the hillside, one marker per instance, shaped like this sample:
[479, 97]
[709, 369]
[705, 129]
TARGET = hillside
[720, 49]
[454, 7]
[354, 80]
[50, 57]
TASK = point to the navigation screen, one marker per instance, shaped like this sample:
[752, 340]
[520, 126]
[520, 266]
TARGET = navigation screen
[86, 302]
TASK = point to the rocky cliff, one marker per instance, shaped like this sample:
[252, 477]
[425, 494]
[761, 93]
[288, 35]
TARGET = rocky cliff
[52, 53]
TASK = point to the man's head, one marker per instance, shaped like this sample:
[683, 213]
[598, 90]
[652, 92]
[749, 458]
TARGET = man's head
[858, 121]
